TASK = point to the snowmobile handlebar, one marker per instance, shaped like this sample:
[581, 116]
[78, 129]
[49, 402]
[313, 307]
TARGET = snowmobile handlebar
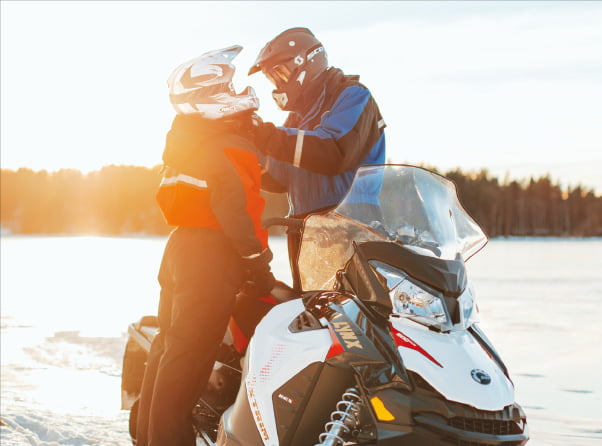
[291, 223]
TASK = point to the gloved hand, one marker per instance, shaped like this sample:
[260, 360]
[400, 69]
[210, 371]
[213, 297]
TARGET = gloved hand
[259, 280]
[261, 132]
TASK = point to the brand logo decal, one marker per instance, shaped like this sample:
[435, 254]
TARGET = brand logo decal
[257, 414]
[231, 108]
[343, 329]
[480, 376]
[299, 60]
[314, 52]
[285, 398]
[401, 340]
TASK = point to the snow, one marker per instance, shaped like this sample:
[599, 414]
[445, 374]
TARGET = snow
[67, 301]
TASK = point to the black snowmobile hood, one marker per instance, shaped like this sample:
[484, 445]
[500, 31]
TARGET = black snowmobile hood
[446, 276]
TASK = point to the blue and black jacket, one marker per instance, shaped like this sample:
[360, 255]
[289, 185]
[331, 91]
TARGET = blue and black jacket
[315, 155]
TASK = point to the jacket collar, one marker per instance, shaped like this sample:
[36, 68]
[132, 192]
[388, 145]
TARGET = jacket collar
[318, 88]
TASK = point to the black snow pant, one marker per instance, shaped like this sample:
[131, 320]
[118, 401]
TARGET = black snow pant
[200, 275]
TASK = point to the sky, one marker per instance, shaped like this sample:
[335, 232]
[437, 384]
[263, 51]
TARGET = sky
[514, 87]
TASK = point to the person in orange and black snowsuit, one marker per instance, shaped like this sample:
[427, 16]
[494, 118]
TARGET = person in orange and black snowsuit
[210, 192]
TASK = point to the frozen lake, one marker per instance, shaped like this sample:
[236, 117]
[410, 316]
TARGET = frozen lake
[66, 303]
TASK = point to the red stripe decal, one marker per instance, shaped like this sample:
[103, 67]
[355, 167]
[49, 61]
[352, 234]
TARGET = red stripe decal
[336, 347]
[402, 340]
[239, 339]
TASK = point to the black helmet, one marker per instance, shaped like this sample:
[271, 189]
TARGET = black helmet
[292, 59]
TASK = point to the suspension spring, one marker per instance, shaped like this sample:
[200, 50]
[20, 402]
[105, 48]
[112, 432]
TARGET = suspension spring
[342, 420]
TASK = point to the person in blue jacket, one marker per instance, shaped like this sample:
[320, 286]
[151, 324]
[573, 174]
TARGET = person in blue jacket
[334, 126]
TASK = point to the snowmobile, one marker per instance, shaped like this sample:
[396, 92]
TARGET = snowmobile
[380, 346]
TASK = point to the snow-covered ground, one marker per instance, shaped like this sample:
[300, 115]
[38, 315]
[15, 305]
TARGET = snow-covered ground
[66, 303]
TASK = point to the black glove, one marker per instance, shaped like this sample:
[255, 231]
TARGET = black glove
[261, 132]
[259, 280]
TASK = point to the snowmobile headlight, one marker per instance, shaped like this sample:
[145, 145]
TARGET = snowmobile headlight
[469, 312]
[413, 301]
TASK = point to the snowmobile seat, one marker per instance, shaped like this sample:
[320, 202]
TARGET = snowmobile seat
[283, 293]
[144, 331]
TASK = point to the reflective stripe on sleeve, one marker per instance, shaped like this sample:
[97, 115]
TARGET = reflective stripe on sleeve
[298, 148]
[265, 168]
[181, 178]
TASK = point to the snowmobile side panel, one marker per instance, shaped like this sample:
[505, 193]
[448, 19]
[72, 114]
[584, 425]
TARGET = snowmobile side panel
[290, 400]
[237, 426]
[275, 355]
[327, 392]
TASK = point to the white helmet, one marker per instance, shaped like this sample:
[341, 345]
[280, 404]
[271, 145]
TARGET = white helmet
[204, 86]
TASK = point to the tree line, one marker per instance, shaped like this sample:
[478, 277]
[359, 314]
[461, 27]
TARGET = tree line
[120, 200]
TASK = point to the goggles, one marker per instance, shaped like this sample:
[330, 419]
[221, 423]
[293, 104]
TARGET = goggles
[279, 75]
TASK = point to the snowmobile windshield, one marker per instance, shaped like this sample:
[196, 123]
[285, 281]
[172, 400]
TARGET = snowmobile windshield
[401, 204]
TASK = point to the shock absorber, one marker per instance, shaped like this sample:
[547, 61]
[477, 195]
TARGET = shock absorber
[342, 420]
